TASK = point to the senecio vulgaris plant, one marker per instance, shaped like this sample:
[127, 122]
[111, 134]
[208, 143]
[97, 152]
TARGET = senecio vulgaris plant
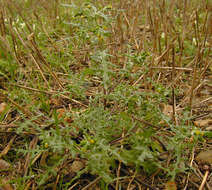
[121, 123]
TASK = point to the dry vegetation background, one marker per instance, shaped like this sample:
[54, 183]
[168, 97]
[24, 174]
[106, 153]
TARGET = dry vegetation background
[110, 94]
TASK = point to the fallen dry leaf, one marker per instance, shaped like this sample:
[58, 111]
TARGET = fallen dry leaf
[203, 123]
[208, 128]
[68, 120]
[166, 110]
[61, 112]
[77, 166]
[204, 157]
[195, 178]
[7, 148]
[5, 185]
[3, 106]
[170, 185]
[32, 146]
[4, 166]
[54, 101]
[43, 158]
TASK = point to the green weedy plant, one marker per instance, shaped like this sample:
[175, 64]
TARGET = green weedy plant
[7, 68]
[122, 121]
[89, 23]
